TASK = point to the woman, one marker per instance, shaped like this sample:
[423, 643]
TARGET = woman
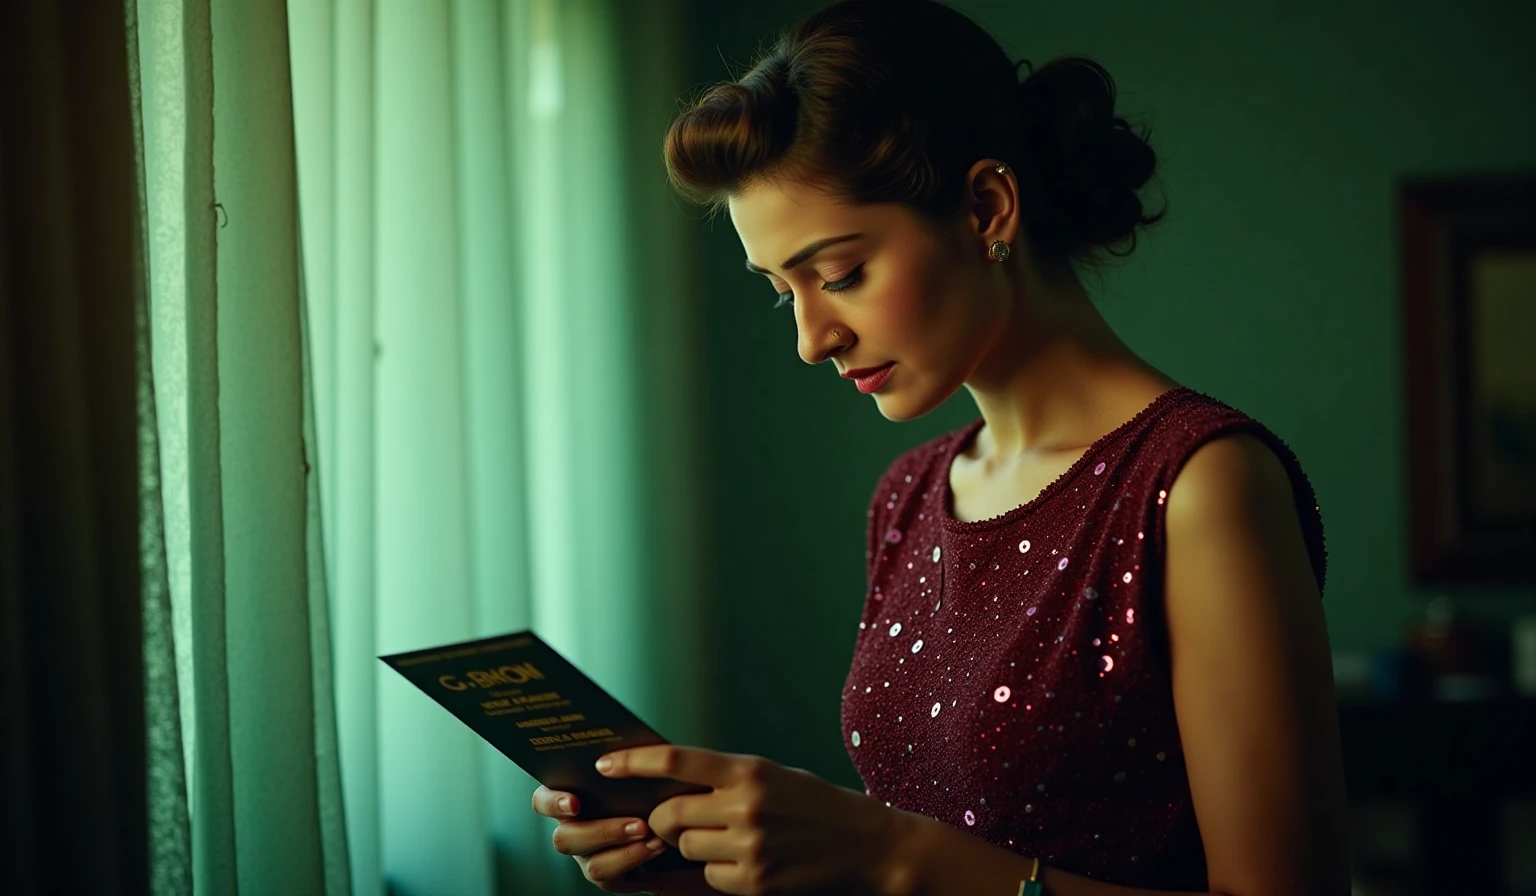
[1092, 653]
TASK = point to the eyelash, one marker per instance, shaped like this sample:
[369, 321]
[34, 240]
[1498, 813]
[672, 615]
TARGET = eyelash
[848, 282]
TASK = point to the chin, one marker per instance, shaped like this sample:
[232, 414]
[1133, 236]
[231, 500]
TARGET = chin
[900, 407]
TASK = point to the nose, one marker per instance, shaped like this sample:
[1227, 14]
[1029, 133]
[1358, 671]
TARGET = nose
[817, 338]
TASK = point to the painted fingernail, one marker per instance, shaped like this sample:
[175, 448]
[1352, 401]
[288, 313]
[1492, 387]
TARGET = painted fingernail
[605, 764]
[633, 828]
[565, 805]
[654, 844]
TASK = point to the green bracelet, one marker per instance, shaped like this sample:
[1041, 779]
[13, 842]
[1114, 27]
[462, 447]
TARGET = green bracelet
[1033, 886]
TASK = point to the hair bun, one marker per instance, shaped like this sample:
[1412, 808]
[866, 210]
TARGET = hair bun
[894, 101]
[1088, 163]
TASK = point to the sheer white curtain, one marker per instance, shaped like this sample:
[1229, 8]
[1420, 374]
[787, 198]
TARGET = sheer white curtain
[504, 429]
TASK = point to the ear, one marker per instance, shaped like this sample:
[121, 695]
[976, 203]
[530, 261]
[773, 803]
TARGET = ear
[992, 204]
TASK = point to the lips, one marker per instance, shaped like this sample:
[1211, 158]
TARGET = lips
[871, 379]
[865, 371]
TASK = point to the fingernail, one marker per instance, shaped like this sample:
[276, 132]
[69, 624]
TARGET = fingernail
[633, 828]
[604, 764]
[565, 805]
[654, 844]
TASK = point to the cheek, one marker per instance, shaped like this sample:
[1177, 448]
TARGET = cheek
[930, 292]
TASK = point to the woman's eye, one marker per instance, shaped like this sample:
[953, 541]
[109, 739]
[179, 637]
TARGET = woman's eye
[848, 282]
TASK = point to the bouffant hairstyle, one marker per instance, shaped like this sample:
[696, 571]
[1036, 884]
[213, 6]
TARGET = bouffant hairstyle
[892, 101]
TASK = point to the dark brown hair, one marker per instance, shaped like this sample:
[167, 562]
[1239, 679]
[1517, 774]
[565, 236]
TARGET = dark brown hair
[894, 100]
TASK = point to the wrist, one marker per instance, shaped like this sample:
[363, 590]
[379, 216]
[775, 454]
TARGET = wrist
[898, 872]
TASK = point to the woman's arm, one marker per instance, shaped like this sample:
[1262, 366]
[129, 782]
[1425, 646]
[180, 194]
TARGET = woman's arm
[1253, 692]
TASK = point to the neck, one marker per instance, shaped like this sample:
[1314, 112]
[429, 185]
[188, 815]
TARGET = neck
[1057, 377]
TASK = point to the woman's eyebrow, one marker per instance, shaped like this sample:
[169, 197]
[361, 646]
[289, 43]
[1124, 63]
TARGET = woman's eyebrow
[807, 253]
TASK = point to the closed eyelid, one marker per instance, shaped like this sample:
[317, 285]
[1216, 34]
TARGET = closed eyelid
[835, 274]
[853, 278]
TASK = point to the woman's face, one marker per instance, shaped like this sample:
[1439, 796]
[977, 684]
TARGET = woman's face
[927, 305]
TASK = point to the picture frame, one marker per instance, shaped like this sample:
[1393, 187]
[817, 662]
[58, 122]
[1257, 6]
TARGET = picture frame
[1468, 265]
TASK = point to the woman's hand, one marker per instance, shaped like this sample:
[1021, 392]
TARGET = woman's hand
[766, 829]
[610, 851]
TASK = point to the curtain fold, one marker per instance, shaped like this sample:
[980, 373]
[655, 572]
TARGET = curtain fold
[73, 742]
[327, 330]
[241, 502]
[513, 439]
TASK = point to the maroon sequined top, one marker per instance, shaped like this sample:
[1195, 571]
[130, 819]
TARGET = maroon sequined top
[1011, 676]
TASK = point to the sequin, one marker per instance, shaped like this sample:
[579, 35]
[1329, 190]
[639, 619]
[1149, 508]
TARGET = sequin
[895, 629]
[917, 645]
[1062, 564]
[893, 536]
[936, 553]
[855, 738]
[970, 817]
[1041, 633]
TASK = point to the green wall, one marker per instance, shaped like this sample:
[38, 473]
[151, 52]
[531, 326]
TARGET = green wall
[1272, 285]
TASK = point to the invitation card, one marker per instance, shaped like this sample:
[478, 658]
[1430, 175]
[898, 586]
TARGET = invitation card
[541, 712]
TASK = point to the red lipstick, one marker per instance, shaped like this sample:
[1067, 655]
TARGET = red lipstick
[870, 379]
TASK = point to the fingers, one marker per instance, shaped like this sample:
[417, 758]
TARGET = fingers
[554, 803]
[705, 810]
[611, 864]
[709, 845]
[587, 838]
[691, 765]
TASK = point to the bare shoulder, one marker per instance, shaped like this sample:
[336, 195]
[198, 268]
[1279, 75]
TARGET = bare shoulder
[1252, 676]
[1227, 475]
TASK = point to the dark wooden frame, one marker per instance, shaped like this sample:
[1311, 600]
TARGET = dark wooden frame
[1443, 222]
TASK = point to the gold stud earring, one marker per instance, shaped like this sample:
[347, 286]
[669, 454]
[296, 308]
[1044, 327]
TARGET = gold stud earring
[836, 334]
[1001, 168]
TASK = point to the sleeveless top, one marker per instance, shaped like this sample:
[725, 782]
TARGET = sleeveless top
[1011, 676]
